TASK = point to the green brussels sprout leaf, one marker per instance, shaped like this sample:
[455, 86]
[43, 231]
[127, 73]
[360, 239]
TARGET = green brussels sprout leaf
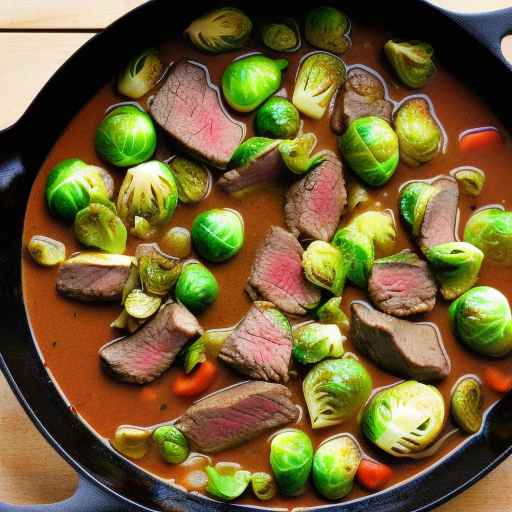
[471, 180]
[467, 404]
[227, 487]
[296, 153]
[379, 227]
[331, 313]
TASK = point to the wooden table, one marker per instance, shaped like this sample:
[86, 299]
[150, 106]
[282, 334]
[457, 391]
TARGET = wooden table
[36, 36]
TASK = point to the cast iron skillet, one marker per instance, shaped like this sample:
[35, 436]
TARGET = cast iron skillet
[468, 45]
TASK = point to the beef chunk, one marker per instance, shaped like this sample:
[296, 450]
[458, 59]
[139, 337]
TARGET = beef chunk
[440, 221]
[236, 415]
[402, 285]
[315, 203]
[261, 344]
[411, 350]
[94, 276]
[362, 95]
[189, 108]
[145, 355]
[277, 274]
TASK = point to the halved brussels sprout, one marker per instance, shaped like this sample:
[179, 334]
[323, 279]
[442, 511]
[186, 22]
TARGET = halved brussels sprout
[335, 390]
[132, 442]
[335, 465]
[412, 61]
[319, 77]
[142, 229]
[456, 265]
[98, 226]
[192, 179]
[221, 30]
[248, 82]
[140, 75]
[327, 28]
[356, 195]
[419, 135]
[296, 153]
[413, 201]
[251, 149]
[46, 251]
[263, 486]
[379, 227]
[314, 342]
[467, 403]
[141, 305]
[277, 118]
[471, 180]
[331, 313]
[158, 274]
[218, 234]
[482, 320]
[126, 136]
[171, 443]
[358, 254]
[177, 242]
[291, 458]
[404, 419]
[490, 230]
[206, 347]
[281, 36]
[227, 486]
[370, 147]
[197, 287]
[324, 266]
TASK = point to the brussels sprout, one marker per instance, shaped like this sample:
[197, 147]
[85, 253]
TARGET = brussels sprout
[277, 118]
[490, 230]
[281, 36]
[482, 320]
[248, 82]
[419, 135]
[193, 180]
[356, 195]
[194, 355]
[327, 28]
[126, 322]
[158, 274]
[467, 403]
[218, 234]
[206, 347]
[221, 30]
[296, 153]
[335, 390]
[314, 342]
[141, 305]
[172, 444]
[132, 442]
[46, 251]
[379, 227]
[177, 242]
[197, 287]
[413, 201]
[319, 77]
[358, 254]
[142, 229]
[405, 418]
[412, 61]
[98, 226]
[227, 486]
[471, 180]
[140, 75]
[370, 147]
[126, 136]
[331, 313]
[291, 458]
[72, 185]
[148, 191]
[263, 486]
[335, 465]
[456, 265]
[252, 149]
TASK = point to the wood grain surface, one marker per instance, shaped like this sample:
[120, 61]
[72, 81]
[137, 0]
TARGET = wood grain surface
[30, 471]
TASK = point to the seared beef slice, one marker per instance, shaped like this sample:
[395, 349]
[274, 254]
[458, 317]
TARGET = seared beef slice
[261, 344]
[402, 285]
[189, 108]
[411, 350]
[315, 203]
[145, 355]
[236, 415]
[277, 274]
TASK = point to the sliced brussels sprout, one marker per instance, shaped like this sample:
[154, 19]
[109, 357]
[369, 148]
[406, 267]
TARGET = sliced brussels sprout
[379, 227]
[141, 305]
[467, 404]
[206, 347]
[227, 486]
[126, 136]
[291, 458]
[412, 61]
[405, 418]
[335, 465]
[327, 28]
[413, 201]
[456, 265]
[281, 36]
[171, 443]
[132, 282]
[252, 149]
[356, 195]
[140, 75]
[177, 242]
[331, 313]
[370, 147]
[335, 390]
[419, 135]
[296, 153]
[132, 442]
[319, 77]
[142, 229]
[218, 234]
[482, 320]
[221, 30]
[324, 266]
[263, 486]
[277, 118]
[46, 251]
[471, 180]
[158, 274]
[194, 355]
[314, 342]
[197, 287]
[193, 180]
[248, 82]
[97, 226]
[490, 230]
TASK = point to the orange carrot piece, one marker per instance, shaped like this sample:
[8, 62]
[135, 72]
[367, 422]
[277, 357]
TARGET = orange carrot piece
[195, 383]
[373, 475]
[498, 380]
[481, 139]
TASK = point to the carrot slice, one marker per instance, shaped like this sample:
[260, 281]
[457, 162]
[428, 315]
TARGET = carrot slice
[195, 383]
[497, 380]
[373, 475]
[480, 139]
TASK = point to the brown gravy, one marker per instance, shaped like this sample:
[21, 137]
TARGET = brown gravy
[69, 334]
